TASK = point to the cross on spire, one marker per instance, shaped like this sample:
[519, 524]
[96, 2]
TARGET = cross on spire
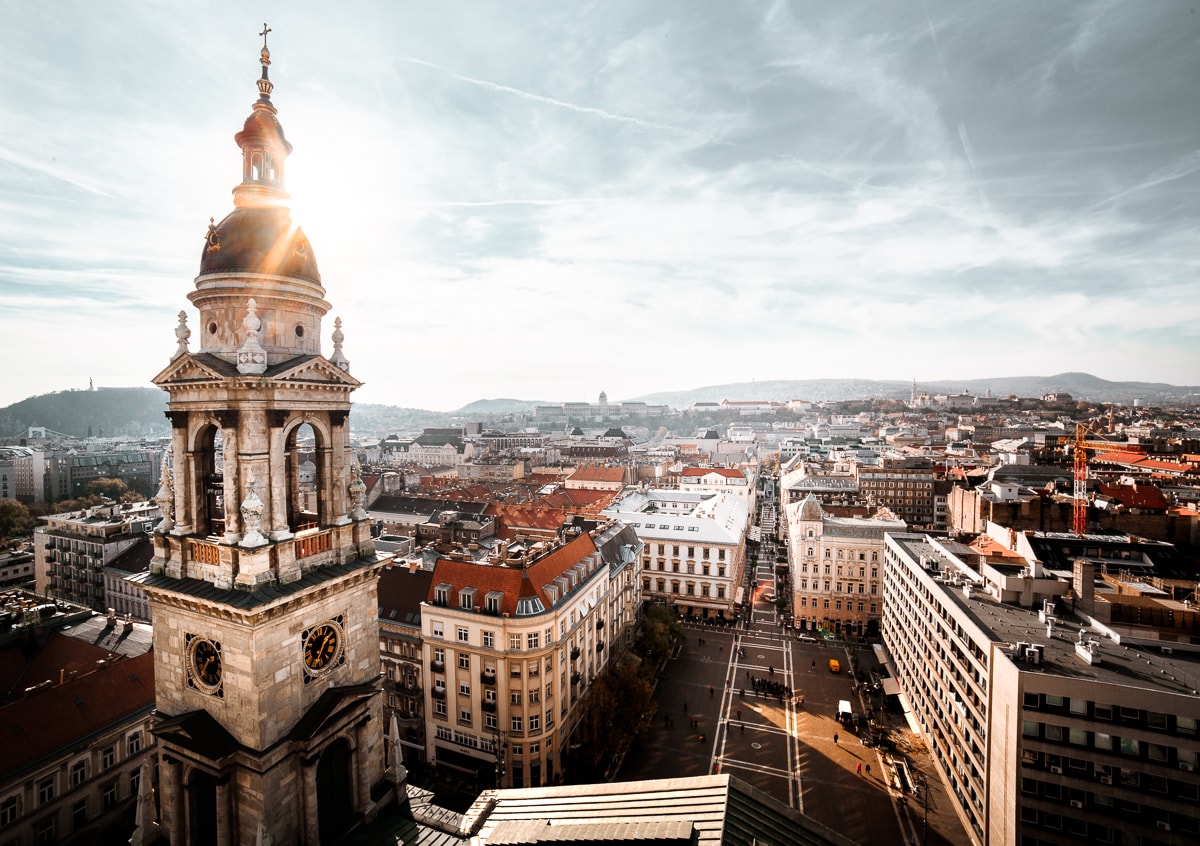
[264, 32]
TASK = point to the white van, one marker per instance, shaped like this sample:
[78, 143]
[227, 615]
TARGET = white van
[845, 713]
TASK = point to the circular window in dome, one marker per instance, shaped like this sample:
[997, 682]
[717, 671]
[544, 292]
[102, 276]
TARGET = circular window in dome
[212, 328]
[299, 331]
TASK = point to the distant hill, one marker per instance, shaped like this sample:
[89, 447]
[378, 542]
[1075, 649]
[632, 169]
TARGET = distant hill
[138, 412]
[1082, 386]
[111, 412]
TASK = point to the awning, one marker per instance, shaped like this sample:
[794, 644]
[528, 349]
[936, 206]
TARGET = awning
[890, 688]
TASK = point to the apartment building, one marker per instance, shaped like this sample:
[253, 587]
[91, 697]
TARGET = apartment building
[836, 568]
[73, 549]
[402, 589]
[907, 492]
[1043, 732]
[511, 645]
[695, 547]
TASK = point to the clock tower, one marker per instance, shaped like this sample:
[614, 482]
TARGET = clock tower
[263, 582]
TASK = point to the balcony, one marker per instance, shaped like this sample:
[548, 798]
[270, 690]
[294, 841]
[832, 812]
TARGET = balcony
[575, 653]
[487, 675]
[438, 693]
[437, 666]
[488, 705]
[599, 646]
[600, 625]
[576, 678]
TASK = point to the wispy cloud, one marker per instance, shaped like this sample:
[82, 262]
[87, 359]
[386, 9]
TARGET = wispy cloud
[541, 98]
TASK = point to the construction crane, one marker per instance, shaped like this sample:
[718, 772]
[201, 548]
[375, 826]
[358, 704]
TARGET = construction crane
[1082, 445]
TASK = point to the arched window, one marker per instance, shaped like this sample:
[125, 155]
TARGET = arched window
[305, 475]
[209, 454]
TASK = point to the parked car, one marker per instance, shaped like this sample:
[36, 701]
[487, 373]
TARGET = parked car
[835, 666]
[806, 638]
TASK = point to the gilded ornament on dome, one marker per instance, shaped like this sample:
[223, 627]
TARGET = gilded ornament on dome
[213, 239]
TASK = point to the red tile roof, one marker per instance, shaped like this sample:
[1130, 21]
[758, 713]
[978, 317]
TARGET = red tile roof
[597, 473]
[1136, 496]
[513, 582]
[40, 725]
[727, 472]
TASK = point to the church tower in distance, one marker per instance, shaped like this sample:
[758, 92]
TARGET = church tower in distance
[263, 582]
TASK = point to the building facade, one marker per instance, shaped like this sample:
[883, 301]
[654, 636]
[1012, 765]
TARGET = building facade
[1042, 732]
[695, 548]
[510, 648]
[836, 567]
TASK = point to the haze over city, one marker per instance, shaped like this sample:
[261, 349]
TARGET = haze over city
[546, 200]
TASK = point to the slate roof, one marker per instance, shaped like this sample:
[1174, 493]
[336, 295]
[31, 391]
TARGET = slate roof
[401, 592]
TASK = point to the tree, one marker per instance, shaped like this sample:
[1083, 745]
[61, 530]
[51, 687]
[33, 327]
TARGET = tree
[112, 488]
[14, 519]
[660, 629]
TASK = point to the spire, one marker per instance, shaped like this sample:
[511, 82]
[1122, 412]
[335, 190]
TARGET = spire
[264, 147]
[264, 83]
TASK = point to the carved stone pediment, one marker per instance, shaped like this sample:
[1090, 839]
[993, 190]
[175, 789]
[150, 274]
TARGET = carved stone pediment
[314, 369]
[188, 369]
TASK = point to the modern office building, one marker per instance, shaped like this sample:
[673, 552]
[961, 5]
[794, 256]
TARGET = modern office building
[1043, 732]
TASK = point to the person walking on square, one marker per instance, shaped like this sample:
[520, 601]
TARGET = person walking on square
[835, 739]
[860, 767]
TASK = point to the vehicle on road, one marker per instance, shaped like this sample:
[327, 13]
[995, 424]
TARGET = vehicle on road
[806, 638]
[835, 666]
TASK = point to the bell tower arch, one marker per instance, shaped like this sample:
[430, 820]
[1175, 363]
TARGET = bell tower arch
[263, 581]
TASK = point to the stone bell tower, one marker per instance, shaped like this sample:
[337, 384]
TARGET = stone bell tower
[263, 582]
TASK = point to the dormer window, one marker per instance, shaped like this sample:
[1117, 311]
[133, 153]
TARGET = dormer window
[492, 601]
[466, 599]
[441, 595]
[551, 592]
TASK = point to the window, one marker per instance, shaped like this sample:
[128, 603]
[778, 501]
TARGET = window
[466, 598]
[135, 743]
[79, 814]
[489, 721]
[8, 811]
[108, 757]
[1102, 712]
[1130, 746]
[1103, 741]
[534, 694]
[464, 662]
[489, 640]
[439, 656]
[517, 726]
[514, 642]
[532, 640]
[491, 602]
[464, 688]
[441, 595]
[464, 634]
[1029, 728]
[45, 790]
[135, 781]
[78, 773]
[549, 636]
[437, 628]
[720, 591]
[535, 722]
[515, 697]
[464, 716]
[44, 833]
[439, 707]
[108, 799]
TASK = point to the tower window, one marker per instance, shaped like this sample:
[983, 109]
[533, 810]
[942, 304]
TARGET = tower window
[212, 328]
[299, 331]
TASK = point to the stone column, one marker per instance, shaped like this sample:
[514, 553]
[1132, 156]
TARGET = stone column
[182, 473]
[173, 802]
[312, 829]
[224, 814]
[277, 468]
[338, 502]
[231, 474]
[362, 766]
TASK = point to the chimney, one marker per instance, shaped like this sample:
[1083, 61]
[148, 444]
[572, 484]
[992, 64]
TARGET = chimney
[1084, 584]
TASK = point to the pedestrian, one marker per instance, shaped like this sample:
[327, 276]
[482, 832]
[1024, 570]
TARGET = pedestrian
[685, 706]
[742, 727]
[868, 770]
[860, 767]
[739, 713]
[835, 739]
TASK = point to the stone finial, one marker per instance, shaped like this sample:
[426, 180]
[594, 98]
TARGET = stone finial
[399, 771]
[182, 333]
[166, 495]
[358, 493]
[143, 832]
[252, 514]
[339, 358]
[251, 357]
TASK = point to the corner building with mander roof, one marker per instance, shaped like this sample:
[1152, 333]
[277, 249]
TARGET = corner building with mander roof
[266, 643]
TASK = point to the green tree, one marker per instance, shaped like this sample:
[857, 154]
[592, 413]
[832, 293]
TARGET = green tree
[112, 488]
[14, 519]
[660, 629]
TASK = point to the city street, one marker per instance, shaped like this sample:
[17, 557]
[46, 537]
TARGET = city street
[761, 704]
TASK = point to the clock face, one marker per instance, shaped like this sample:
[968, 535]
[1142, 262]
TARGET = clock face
[204, 664]
[323, 646]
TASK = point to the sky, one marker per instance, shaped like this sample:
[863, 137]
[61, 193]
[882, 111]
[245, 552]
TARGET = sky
[546, 200]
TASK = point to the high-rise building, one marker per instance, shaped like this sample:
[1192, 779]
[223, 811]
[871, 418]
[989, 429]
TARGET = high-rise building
[266, 636]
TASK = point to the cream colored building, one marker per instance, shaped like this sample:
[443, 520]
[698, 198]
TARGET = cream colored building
[836, 567]
[695, 547]
[511, 645]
